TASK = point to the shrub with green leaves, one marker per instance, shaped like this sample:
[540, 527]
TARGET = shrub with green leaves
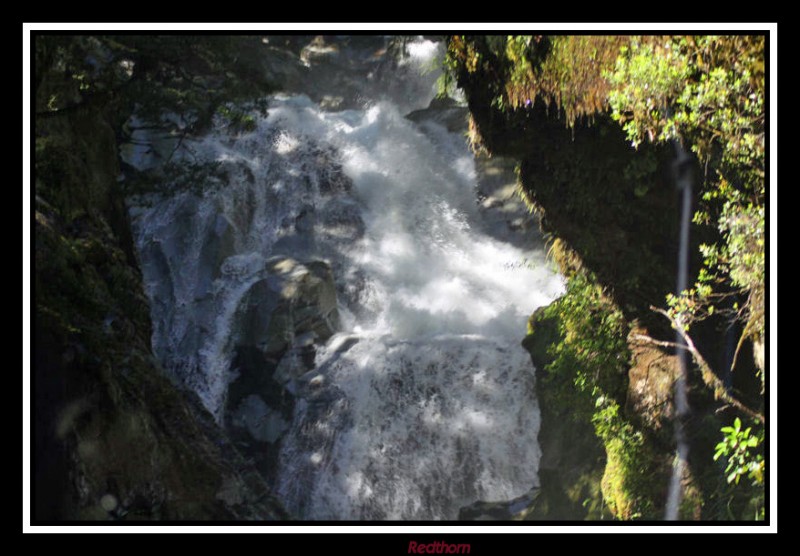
[741, 450]
[707, 92]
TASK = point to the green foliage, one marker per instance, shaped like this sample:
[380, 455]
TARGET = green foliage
[742, 451]
[690, 87]
[740, 448]
[644, 84]
[237, 119]
[639, 171]
[594, 343]
[625, 478]
[462, 51]
[708, 92]
[573, 73]
[592, 351]
[744, 252]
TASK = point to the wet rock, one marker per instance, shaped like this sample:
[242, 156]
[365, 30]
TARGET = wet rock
[295, 363]
[342, 342]
[444, 111]
[284, 67]
[515, 509]
[341, 219]
[117, 438]
[504, 214]
[650, 383]
[218, 245]
[148, 147]
[262, 422]
[318, 50]
[281, 320]
[109, 502]
[292, 300]
[304, 222]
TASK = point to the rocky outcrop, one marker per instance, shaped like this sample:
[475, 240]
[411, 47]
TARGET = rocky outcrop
[294, 302]
[513, 510]
[611, 212]
[444, 111]
[113, 438]
[573, 458]
[283, 318]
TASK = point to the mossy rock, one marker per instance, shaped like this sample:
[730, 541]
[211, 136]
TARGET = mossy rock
[108, 423]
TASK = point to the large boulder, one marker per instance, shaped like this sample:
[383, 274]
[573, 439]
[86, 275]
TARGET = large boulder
[292, 301]
[444, 111]
[282, 319]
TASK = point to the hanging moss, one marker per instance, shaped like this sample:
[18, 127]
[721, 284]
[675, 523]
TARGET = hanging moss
[567, 72]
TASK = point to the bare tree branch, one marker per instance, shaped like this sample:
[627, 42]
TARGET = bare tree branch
[648, 340]
[709, 378]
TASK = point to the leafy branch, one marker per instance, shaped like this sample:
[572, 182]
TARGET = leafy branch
[737, 446]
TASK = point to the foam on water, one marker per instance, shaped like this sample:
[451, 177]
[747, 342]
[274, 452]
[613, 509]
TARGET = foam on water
[429, 403]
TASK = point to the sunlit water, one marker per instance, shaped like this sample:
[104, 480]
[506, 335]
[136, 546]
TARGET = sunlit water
[424, 402]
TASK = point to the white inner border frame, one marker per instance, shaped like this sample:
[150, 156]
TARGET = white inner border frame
[406, 28]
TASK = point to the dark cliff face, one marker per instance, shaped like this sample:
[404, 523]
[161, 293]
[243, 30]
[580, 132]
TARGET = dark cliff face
[611, 213]
[113, 438]
[613, 206]
[583, 182]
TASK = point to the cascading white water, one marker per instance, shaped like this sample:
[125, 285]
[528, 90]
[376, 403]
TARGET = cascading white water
[423, 403]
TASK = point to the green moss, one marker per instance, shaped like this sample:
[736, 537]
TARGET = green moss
[564, 71]
[632, 481]
[580, 344]
[615, 477]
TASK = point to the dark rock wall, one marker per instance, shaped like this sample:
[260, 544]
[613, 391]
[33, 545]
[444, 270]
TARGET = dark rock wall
[612, 211]
[113, 438]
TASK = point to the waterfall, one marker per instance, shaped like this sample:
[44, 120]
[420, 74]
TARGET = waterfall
[417, 399]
